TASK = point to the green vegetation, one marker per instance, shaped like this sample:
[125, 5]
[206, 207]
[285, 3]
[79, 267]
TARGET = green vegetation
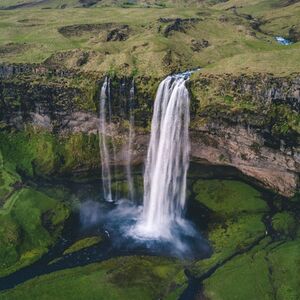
[266, 272]
[243, 252]
[244, 277]
[30, 223]
[39, 152]
[29, 151]
[84, 243]
[251, 265]
[240, 99]
[237, 43]
[238, 210]
[7, 181]
[229, 197]
[147, 40]
[285, 265]
[119, 278]
[285, 224]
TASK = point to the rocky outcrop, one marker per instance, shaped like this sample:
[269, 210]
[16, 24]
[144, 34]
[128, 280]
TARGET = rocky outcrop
[172, 25]
[12, 70]
[251, 123]
[294, 34]
[244, 149]
[104, 31]
[198, 45]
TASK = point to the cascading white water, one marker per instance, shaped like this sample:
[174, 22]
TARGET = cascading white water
[167, 160]
[114, 151]
[129, 148]
[104, 153]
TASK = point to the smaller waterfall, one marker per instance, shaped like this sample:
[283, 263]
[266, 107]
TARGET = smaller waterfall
[104, 153]
[114, 151]
[130, 140]
[167, 160]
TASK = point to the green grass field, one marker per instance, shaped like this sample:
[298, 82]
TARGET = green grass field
[31, 35]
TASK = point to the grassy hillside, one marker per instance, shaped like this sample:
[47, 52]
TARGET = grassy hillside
[235, 36]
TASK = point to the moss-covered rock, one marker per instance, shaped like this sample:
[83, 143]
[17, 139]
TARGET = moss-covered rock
[31, 152]
[244, 277]
[83, 243]
[229, 197]
[285, 224]
[37, 152]
[119, 278]
[285, 265]
[268, 271]
[260, 101]
[237, 223]
[30, 223]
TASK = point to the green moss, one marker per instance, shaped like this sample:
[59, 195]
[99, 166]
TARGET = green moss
[80, 150]
[10, 237]
[40, 153]
[244, 277]
[84, 243]
[7, 180]
[118, 278]
[229, 237]
[286, 121]
[31, 222]
[285, 223]
[285, 262]
[268, 271]
[229, 197]
[228, 99]
[29, 151]
[237, 223]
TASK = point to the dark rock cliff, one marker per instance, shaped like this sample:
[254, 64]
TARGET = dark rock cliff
[250, 122]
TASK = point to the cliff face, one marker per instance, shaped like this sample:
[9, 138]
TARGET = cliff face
[248, 122]
[251, 123]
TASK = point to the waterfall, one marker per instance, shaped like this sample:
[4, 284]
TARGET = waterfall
[104, 153]
[114, 151]
[130, 140]
[167, 160]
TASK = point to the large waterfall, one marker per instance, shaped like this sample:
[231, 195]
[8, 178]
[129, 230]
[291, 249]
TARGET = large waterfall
[159, 224]
[104, 153]
[167, 160]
